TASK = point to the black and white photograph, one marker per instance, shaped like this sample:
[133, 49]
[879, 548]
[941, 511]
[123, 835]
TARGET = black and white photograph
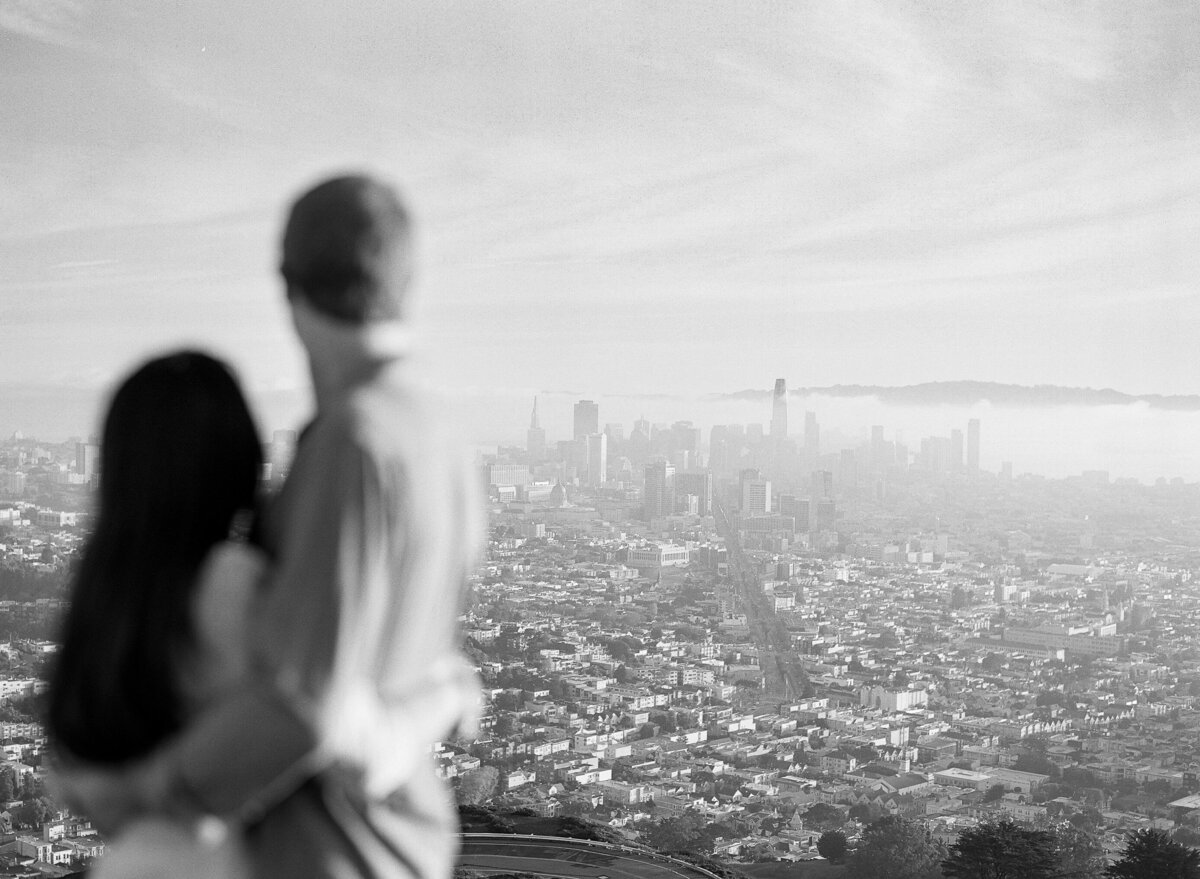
[454, 439]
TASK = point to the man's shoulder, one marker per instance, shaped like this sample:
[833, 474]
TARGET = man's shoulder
[387, 421]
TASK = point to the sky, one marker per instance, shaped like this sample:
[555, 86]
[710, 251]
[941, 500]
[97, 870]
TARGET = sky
[613, 198]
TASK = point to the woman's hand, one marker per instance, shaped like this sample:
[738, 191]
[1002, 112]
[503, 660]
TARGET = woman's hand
[110, 796]
[104, 795]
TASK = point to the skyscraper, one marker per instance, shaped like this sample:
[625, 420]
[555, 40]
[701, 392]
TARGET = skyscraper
[638, 447]
[535, 437]
[87, 460]
[587, 419]
[825, 514]
[779, 425]
[756, 494]
[660, 489]
[812, 437]
[800, 509]
[847, 475]
[594, 457]
[721, 450]
[699, 484]
[973, 445]
[879, 454]
[956, 451]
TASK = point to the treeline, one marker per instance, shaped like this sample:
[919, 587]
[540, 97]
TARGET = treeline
[895, 848]
[18, 583]
[480, 819]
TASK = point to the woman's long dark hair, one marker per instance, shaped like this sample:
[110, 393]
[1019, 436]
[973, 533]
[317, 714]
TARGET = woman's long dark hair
[179, 458]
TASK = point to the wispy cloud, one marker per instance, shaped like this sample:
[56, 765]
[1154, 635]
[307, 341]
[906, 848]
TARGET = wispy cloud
[52, 21]
[911, 188]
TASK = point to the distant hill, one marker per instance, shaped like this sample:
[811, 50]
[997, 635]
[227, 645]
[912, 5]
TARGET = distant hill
[966, 393]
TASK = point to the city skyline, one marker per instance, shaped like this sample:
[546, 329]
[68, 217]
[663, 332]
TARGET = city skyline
[1138, 438]
[655, 199]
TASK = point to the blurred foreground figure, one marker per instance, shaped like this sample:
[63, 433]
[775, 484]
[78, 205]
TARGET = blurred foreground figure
[156, 629]
[322, 753]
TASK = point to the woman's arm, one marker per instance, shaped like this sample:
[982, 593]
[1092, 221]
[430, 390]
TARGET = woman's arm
[226, 587]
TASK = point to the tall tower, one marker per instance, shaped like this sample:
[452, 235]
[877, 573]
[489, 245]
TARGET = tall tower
[594, 457]
[756, 493]
[779, 425]
[973, 445]
[660, 489]
[587, 419]
[87, 460]
[956, 450]
[699, 484]
[535, 437]
[812, 438]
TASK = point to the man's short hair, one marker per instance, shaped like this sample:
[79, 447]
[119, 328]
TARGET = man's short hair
[346, 249]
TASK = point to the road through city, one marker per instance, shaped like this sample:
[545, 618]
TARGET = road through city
[579, 859]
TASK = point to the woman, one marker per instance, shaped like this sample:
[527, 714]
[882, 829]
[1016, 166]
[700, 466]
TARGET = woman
[160, 597]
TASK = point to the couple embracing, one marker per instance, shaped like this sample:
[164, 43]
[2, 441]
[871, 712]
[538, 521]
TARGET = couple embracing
[253, 690]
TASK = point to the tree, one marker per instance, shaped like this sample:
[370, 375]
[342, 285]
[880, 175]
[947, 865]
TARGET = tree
[476, 786]
[1080, 854]
[864, 754]
[504, 726]
[867, 813]
[34, 812]
[675, 834]
[832, 846]
[1188, 836]
[1037, 763]
[619, 650]
[8, 784]
[506, 702]
[995, 792]
[31, 786]
[823, 816]
[663, 720]
[1035, 743]
[893, 848]
[1002, 850]
[1078, 777]
[1151, 854]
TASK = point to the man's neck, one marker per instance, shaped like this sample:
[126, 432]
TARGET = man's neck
[341, 355]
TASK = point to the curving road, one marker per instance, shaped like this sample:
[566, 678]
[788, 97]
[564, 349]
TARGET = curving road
[575, 858]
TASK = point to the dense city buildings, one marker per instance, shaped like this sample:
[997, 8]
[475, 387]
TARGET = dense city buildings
[768, 639]
[836, 634]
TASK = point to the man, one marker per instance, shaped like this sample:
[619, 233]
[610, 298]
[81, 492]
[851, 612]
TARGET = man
[324, 755]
